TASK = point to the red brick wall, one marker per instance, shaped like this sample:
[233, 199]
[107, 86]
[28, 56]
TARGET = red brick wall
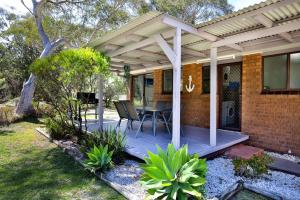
[195, 105]
[271, 121]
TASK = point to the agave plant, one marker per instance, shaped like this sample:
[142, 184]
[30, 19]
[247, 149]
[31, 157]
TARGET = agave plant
[115, 142]
[174, 174]
[99, 159]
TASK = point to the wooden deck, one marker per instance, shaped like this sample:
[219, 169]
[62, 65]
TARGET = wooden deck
[196, 138]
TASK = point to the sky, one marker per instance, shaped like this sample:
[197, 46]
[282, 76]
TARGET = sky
[19, 8]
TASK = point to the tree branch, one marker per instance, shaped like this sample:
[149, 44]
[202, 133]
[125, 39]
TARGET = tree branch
[38, 20]
[22, 1]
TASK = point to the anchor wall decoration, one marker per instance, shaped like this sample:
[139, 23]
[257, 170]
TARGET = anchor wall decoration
[191, 86]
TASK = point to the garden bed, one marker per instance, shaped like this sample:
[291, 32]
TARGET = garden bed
[220, 176]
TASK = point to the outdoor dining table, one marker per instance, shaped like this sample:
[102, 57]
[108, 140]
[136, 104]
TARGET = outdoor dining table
[155, 111]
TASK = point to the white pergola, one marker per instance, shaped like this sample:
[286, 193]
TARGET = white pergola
[157, 40]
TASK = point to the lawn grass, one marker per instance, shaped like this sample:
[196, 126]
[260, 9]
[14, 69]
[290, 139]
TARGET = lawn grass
[33, 168]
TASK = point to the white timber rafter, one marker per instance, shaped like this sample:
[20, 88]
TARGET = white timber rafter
[198, 32]
[261, 18]
[256, 34]
[250, 14]
[165, 47]
[134, 60]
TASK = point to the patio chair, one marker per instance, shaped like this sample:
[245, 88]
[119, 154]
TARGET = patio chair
[134, 116]
[120, 107]
[165, 115]
[170, 120]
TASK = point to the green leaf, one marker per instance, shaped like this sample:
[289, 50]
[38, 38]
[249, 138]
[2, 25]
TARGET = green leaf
[186, 188]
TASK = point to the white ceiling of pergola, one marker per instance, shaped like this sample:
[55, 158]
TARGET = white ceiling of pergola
[268, 26]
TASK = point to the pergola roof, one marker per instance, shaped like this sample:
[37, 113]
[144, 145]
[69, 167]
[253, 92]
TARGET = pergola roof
[269, 26]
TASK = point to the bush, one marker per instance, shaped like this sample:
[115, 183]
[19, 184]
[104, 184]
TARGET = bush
[115, 142]
[57, 129]
[61, 76]
[174, 174]
[99, 159]
[42, 109]
[7, 115]
[253, 167]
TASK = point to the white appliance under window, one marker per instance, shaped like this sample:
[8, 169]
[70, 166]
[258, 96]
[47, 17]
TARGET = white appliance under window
[228, 113]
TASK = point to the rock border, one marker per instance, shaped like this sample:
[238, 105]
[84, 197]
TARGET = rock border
[240, 185]
[80, 161]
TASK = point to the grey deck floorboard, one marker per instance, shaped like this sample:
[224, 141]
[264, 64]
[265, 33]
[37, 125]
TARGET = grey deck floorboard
[196, 138]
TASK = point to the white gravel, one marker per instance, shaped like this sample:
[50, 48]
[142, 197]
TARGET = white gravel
[289, 157]
[220, 177]
[126, 178]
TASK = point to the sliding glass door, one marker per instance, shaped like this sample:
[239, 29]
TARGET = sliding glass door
[142, 87]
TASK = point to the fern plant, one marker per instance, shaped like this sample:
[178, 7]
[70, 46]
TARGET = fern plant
[99, 159]
[174, 174]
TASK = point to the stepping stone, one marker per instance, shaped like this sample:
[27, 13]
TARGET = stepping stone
[285, 165]
[244, 152]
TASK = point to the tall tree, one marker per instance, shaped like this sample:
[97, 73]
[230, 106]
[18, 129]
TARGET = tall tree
[190, 11]
[77, 22]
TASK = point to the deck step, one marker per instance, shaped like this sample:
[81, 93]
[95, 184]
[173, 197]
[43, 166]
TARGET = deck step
[285, 165]
[244, 152]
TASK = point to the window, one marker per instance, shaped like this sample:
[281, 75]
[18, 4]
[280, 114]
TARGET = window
[282, 72]
[167, 81]
[275, 72]
[206, 80]
[295, 71]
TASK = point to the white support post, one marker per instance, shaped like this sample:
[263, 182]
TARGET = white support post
[176, 89]
[100, 104]
[213, 97]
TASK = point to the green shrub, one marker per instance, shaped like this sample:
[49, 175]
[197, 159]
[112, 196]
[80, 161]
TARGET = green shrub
[253, 167]
[7, 115]
[99, 159]
[42, 109]
[115, 142]
[57, 129]
[174, 174]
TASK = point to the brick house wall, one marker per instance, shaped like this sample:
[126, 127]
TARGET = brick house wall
[195, 105]
[271, 121]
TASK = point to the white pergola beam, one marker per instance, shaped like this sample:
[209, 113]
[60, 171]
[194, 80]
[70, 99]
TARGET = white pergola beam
[100, 102]
[131, 47]
[253, 13]
[264, 20]
[198, 32]
[192, 52]
[135, 60]
[188, 28]
[110, 47]
[148, 54]
[213, 97]
[287, 37]
[269, 23]
[121, 65]
[252, 35]
[176, 89]
[165, 47]
[134, 38]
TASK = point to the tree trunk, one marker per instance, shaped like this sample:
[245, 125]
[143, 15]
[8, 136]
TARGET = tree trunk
[25, 104]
